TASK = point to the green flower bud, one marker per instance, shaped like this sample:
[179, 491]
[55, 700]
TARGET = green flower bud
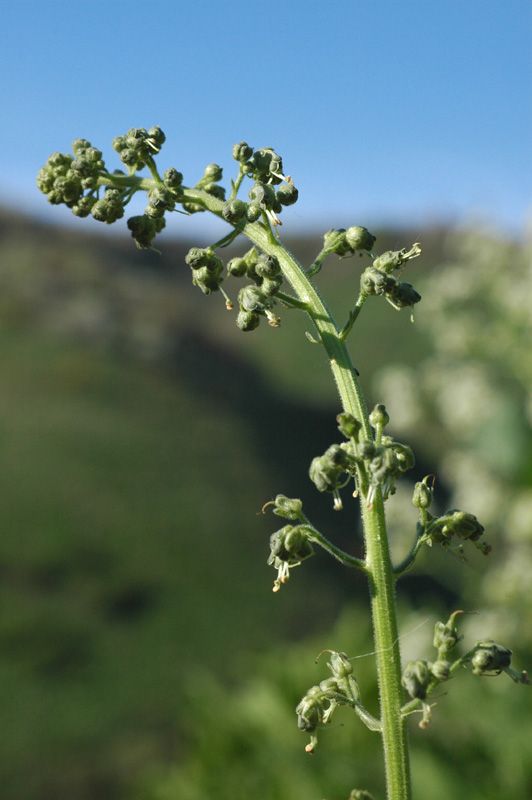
[360, 794]
[422, 497]
[270, 286]
[359, 238]
[326, 470]
[287, 195]
[253, 213]
[376, 282]
[143, 230]
[252, 298]
[266, 165]
[234, 211]
[207, 279]
[288, 507]
[446, 636]
[213, 173]
[199, 257]
[79, 145]
[334, 241]
[402, 295]
[416, 679]
[237, 267]
[262, 194]
[242, 152]
[490, 659]
[348, 425]
[289, 546]
[379, 417]
[247, 320]
[172, 179]
[156, 138]
[84, 206]
[441, 670]
[394, 259]
[340, 665]
[267, 266]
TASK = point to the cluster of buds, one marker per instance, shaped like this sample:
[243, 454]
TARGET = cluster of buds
[331, 471]
[207, 268]
[71, 179]
[317, 706]
[347, 242]
[257, 300]
[485, 658]
[381, 460]
[453, 525]
[384, 464]
[289, 547]
[137, 147]
[265, 167]
[378, 279]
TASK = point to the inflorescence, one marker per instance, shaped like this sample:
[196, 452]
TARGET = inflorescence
[83, 183]
[368, 459]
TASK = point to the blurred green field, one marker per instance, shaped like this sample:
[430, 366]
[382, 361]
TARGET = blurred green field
[142, 654]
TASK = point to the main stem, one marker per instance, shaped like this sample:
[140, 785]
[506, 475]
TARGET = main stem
[378, 562]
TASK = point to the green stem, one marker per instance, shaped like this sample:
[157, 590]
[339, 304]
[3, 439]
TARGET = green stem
[336, 552]
[378, 562]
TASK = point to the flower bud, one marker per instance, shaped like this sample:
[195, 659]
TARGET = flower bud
[446, 636]
[376, 282]
[422, 496]
[393, 259]
[359, 238]
[270, 286]
[287, 195]
[379, 417]
[247, 320]
[441, 670]
[172, 179]
[288, 507]
[334, 241]
[348, 425]
[212, 173]
[267, 266]
[156, 138]
[252, 298]
[207, 279]
[360, 794]
[237, 267]
[340, 665]
[242, 152]
[253, 213]
[83, 206]
[416, 679]
[490, 659]
[402, 295]
[234, 211]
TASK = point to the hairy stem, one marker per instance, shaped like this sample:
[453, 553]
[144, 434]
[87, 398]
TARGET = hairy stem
[378, 562]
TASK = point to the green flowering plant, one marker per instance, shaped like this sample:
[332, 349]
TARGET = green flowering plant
[368, 461]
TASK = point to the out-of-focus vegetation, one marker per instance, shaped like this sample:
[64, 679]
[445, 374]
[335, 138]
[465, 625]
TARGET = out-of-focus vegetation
[142, 654]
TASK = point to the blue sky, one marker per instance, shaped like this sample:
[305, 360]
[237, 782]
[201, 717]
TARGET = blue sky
[384, 112]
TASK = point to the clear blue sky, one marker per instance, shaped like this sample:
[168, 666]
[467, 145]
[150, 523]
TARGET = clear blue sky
[384, 111]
